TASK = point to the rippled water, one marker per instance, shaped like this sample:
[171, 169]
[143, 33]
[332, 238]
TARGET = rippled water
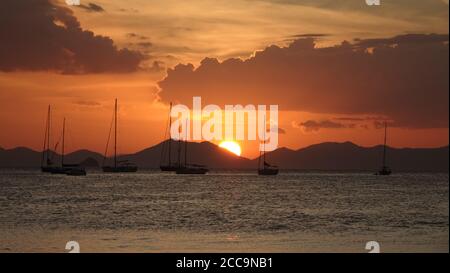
[292, 212]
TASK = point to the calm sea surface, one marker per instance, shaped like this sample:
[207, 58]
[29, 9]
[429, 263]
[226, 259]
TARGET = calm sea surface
[223, 212]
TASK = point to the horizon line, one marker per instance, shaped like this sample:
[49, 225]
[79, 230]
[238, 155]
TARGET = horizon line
[199, 142]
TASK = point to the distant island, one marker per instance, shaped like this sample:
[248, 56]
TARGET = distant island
[328, 156]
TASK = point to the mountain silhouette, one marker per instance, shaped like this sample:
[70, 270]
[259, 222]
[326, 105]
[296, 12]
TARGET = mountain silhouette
[204, 153]
[329, 156]
[348, 156]
[22, 157]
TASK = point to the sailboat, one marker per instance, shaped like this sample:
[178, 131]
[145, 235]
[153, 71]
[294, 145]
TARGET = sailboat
[188, 168]
[169, 166]
[46, 160]
[69, 169]
[123, 166]
[385, 170]
[266, 169]
[60, 169]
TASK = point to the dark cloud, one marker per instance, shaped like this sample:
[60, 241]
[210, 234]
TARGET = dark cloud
[378, 124]
[278, 130]
[314, 36]
[87, 103]
[364, 121]
[309, 35]
[157, 66]
[408, 39]
[145, 44]
[129, 10]
[40, 35]
[132, 35]
[404, 79]
[91, 7]
[137, 36]
[405, 9]
[350, 119]
[313, 125]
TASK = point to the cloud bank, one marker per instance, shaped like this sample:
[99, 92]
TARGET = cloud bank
[314, 125]
[404, 78]
[41, 35]
[92, 7]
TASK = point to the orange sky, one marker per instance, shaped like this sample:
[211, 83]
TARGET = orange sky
[87, 103]
[182, 32]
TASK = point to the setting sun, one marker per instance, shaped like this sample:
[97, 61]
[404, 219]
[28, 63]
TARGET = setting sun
[231, 146]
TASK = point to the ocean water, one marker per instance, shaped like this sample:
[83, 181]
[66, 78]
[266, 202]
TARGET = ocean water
[223, 212]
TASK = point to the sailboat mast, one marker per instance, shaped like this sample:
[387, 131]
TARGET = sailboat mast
[186, 144]
[63, 142]
[115, 134]
[259, 160]
[384, 147]
[264, 144]
[49, 120]
[179, 148]
[45, 142]
[170, 135]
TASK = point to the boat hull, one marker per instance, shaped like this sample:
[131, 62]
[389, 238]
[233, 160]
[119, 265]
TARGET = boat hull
[120, 169]
[64, 170]
[384, 171]
[76, 172]
[59, 170]
[168, 168]
[47, 169]
[53, 170]
[191, 171]
[268, 172]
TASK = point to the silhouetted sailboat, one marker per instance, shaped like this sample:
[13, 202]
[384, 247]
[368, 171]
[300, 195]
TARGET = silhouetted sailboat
[69, 169]
[46, 160]
[188, 168]
[168, 166]
[123, 166]
[266, 169]
[61, 169]
[385, 170]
